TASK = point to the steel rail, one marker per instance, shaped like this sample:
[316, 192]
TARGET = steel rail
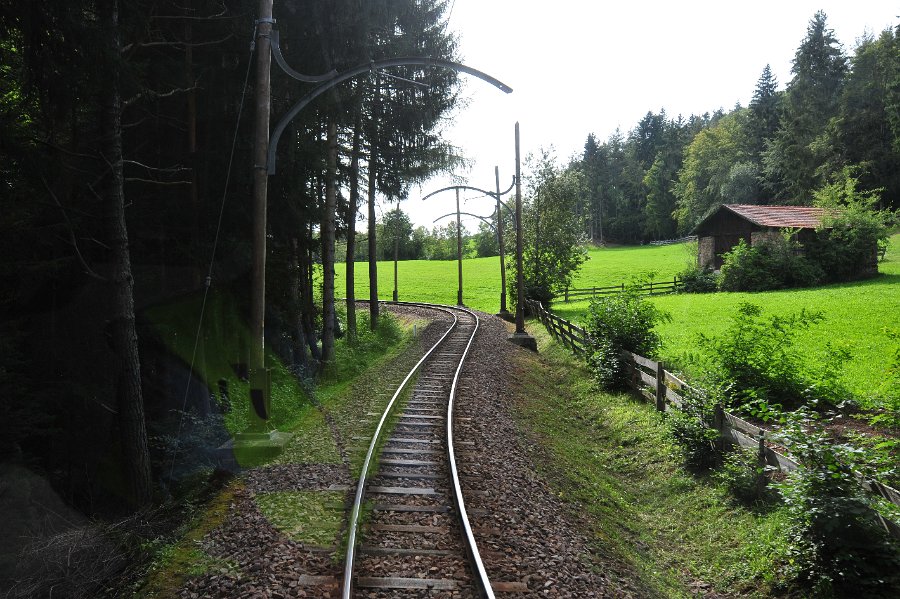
[481, 578]
[472, 548]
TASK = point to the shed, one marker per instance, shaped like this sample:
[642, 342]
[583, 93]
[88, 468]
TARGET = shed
[722, 229]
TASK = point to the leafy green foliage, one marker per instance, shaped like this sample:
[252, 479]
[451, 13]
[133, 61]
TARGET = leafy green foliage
[743, 476]
[691, 428]
[837, 544]
[773, 264]
[623, 321]
[847, 244]
[698, 280]
[755, 363]
[553, 233]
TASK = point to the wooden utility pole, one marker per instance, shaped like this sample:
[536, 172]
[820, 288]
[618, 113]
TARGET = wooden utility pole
[503, 310]
[256, 359]
[520, 282]
[520, 337]
[459, 301]
[396, 250]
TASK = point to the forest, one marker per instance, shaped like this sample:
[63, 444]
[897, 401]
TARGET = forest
[126, 171]
[839, 114]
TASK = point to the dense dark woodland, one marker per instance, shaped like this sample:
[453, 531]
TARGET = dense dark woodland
[119, 194]
[118, 118]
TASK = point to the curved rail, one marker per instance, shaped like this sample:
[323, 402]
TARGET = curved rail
[480, 575]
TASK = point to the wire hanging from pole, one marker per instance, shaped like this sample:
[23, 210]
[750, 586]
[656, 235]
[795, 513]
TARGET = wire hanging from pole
[212, 259]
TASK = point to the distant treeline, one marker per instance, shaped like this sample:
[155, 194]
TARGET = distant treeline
[838, 110]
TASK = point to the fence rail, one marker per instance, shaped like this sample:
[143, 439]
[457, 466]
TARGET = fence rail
[666, 390]
[671, 241]
[652, 288]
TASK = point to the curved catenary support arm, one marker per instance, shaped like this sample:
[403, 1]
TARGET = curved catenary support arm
[364, 68]
[279, 58]
[493, 194]
[481, 218]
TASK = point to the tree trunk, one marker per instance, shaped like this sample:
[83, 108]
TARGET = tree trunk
[328, 215]
[308, 314]
[373, 250]
[351, 232]
[373, 176]
[299, 349]
[123, 336]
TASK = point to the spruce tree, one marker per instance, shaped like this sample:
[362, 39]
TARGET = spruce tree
[792, 160]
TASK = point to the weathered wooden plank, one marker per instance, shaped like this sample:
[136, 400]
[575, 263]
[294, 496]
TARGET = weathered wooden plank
[411, 528]
[399, 462]
[377, 582]
[674, 398]
[645, 362]
[647, 379]
[403, 490]
[873, 486]
[405, 551]
[742, 425]
[392, 507]
[780, 461]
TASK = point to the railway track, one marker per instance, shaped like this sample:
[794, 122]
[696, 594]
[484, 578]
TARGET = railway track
[416, 538]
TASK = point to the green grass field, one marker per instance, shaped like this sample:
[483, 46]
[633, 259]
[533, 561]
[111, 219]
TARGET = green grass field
[856, 314]
[437, 280]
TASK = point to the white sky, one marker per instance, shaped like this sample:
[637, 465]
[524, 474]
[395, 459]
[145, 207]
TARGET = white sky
[578, 67]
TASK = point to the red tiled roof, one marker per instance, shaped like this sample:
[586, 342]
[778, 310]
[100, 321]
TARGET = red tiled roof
[782, 217]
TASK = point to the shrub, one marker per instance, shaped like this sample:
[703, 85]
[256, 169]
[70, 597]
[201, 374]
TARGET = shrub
[837, 544]
[743, 476]
[691, 428]
[754, 362]
[852, 231]
[772, 264]
[619, 322]
[698, 280]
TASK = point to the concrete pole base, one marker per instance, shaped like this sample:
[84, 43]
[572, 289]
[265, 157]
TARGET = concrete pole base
[523, 340]
[506, 315]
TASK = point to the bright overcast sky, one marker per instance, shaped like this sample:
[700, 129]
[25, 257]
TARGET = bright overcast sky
[583, 66]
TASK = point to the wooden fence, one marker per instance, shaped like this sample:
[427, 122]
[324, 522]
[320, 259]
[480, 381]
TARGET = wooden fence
[646, 289]
[671, 241]
[665, 390]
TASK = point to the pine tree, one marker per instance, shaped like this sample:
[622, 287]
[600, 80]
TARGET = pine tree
[791, 161]
[764, 112]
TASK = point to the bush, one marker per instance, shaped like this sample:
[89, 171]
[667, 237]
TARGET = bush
[837, 544]
[691, 428]
[852, 231]
[755, 364]
[773, 264]
[619, 322]
[698, 280]
[743, 476]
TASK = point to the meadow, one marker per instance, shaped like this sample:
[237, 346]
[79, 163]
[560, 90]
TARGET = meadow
[857, 315]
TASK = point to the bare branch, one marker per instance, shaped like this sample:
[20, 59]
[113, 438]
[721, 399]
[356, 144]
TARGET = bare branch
[72, 240]
[217, 17]
[176, 44]
[171, 169]
[139, 180]
[156, 94]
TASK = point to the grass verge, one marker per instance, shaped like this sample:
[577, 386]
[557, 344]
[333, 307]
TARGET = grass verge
[611, 458]
[347, 393]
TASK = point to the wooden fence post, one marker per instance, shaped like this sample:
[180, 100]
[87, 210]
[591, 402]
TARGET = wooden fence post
[660, 387]
[567, 295]
[719, 425]
[761, 462]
